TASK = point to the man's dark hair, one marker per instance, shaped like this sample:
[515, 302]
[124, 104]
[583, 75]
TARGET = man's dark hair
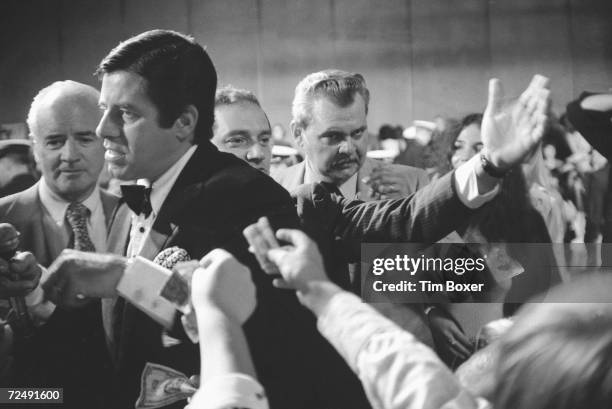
[177, 71]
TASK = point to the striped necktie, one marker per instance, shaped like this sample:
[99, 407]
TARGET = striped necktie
[77, 214]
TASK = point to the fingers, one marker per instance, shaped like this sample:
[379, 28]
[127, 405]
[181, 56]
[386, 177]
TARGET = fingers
[25, 266]
[11, 288]
[460, 345]
[277, 255]
[282, 284]
[266, 232]
[294, 237]
[495, 96]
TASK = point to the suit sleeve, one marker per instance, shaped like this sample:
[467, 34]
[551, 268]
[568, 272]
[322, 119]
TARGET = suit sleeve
[595, 126]
[426, 216]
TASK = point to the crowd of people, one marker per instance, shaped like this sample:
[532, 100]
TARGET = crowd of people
[155, 253]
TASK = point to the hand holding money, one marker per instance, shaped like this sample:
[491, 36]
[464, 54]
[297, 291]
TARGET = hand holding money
[299, 263]
[261, 239]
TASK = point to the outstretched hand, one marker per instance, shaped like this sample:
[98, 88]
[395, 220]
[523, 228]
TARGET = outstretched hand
[510, 134]
[300, 263]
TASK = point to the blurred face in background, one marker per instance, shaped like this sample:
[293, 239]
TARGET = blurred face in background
[467, 144]
[335, 141]
[243, 130]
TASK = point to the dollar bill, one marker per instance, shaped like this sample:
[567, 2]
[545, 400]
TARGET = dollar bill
[161, 386]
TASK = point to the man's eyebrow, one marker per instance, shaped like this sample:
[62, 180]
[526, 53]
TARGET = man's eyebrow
[265, 133]
[238, 132]
[360, 129]
[85, 133]
[54, 136]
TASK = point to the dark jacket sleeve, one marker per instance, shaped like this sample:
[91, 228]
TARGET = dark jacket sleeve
[424, 217]
[595, 126]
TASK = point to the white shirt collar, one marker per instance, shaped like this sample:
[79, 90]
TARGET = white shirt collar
[162, 186]
[56, 206]
[348, 188]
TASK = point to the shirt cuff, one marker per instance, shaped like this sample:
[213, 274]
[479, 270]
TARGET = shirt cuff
[230, 391]
[141, 285]
[466, 185]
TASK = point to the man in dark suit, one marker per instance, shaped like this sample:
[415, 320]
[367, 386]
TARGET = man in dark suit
[65, 209]
[157, 98]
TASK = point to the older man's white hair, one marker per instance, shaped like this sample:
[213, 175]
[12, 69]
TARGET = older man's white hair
[57, 91]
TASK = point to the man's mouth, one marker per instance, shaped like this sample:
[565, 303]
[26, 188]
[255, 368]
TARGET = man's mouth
[111, 155]
[114, 152]
[345, 163]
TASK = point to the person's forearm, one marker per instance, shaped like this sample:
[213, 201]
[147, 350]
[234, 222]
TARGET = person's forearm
[223, 346]
[317, 295]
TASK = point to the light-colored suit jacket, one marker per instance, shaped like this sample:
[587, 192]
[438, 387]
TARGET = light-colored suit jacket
[293, 176]
[25, 211]
[75, 337]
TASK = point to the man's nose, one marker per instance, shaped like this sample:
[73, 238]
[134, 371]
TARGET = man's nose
[108, 128]
[70, 151]
[347, 146]
[256, 153]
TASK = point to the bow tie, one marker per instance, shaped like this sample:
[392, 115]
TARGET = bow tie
[138, 198]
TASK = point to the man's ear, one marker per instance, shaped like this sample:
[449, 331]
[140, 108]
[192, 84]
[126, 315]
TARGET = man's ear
[186, 123]
[35, 150]
[298, 133]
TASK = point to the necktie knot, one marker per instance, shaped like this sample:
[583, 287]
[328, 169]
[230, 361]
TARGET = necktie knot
[77, 215]
[138, 198]
[331, 188]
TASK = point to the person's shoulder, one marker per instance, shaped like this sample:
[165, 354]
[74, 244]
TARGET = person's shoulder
[239, 179]
[19, 205]
[289, 177]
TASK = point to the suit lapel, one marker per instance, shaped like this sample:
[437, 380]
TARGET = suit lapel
[119, 232]
[43, 237]
[174, 212]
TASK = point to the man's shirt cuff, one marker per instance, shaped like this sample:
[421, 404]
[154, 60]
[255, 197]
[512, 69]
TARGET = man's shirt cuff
[141, 285]
[230, 391]
[466, 185]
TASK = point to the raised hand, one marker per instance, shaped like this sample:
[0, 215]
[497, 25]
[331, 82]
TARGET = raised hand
[223, 284]
[19, 276]
[510, 134]
[261, 239]
[299, 263]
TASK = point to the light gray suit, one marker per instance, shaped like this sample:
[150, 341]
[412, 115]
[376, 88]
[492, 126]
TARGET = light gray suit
[293, 176]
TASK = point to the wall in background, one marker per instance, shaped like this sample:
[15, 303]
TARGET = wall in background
[420, 58]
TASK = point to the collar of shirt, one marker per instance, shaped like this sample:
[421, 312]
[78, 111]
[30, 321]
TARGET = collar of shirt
[56, 206]
[348, 188]
[162, 186]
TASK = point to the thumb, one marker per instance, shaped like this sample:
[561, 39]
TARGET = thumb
[277, 254]
[292, 236]
[495, 98]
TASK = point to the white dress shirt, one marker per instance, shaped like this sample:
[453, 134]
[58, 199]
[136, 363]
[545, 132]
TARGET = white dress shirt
[141, 225]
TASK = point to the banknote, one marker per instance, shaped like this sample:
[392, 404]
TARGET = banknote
[161, 386]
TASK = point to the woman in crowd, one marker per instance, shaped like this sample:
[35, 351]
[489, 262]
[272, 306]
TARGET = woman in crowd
[514, 272]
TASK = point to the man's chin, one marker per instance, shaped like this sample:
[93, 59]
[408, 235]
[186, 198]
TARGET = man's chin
[340, 176]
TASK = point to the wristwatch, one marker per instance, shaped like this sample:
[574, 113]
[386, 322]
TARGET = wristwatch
[490, 169]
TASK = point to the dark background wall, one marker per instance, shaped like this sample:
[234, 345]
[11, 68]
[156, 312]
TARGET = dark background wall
[420, 57]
